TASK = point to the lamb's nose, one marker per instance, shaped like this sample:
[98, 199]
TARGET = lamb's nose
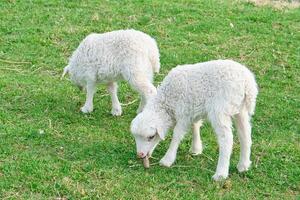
[141, 155]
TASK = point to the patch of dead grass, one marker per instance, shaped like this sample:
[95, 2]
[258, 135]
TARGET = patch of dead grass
[278, 4]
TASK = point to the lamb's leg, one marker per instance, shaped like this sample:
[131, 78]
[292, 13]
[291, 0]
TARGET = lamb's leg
[179, 132]
[145, 88]
[116, 106]
[90, 91]
[222, 126]
[244, 133]
[196, 147]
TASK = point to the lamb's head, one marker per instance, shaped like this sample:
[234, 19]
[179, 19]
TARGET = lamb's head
[148, 129]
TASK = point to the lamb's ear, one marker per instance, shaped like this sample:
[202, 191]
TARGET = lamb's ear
[133, 126]
[160, 133]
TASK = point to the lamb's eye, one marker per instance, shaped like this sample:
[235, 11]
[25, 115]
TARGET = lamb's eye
[151, 137]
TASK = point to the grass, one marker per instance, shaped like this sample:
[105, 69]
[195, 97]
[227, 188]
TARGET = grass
[49, 150]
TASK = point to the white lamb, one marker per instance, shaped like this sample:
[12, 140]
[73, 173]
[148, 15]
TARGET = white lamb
[106, 58]
[217, 90]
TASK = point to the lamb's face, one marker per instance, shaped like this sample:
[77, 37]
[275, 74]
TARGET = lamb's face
[145, 131]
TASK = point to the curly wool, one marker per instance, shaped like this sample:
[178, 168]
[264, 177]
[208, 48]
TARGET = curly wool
[194, 91]
[215, 90]
[106, 58]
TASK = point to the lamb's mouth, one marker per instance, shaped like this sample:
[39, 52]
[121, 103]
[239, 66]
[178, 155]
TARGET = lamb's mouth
[147, 155]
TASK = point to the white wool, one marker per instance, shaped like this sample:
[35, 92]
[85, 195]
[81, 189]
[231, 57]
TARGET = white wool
[216, 90]
[118, 55]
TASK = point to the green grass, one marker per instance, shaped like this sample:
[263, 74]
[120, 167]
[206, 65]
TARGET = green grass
[48, 149]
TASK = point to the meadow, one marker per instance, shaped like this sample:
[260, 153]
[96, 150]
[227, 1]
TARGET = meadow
[49, 150]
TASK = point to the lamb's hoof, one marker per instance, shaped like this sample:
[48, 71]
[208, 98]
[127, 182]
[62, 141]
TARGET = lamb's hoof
[196, 151]
[220, 177]
[242, 167]
[86, 109]
[116, 111]
[166, 162]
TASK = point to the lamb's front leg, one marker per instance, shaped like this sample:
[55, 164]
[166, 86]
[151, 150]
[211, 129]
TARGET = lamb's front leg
[222, 126]
[116, 106]
[170, 157]
[90, 91]
[196, 147]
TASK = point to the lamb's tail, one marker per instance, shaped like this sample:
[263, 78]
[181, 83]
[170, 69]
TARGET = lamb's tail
[66, 70]
[251, 92]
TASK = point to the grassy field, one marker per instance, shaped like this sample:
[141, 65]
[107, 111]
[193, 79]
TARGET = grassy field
[49, 150]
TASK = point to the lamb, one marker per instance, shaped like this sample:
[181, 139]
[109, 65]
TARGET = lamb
[217, 90]
[106, 58]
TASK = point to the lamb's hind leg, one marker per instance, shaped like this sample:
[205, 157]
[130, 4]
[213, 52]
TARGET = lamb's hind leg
[244, 133]
[196, 147]
[116, 106]
[222, 126]
[90, 91]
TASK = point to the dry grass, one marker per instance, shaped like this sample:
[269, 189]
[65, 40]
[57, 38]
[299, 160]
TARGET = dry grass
[278, 4]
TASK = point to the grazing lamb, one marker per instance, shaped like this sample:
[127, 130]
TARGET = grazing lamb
[217, 90]
[106, 58]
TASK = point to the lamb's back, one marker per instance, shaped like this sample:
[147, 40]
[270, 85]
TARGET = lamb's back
[198, 87]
